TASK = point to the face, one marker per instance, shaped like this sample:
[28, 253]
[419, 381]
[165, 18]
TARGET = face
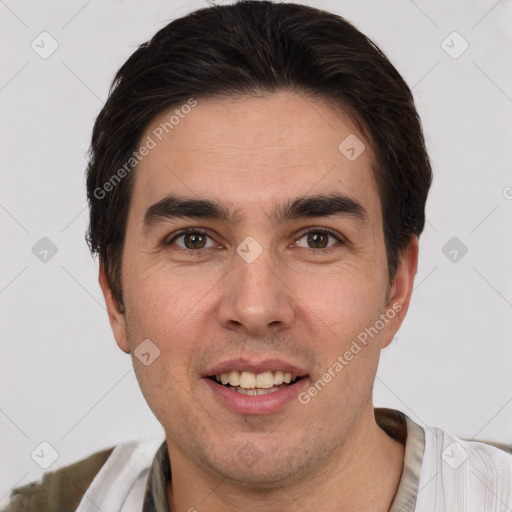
[264, 283]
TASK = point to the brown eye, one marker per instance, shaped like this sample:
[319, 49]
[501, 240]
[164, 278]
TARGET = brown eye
[318, 239]
[192, 240]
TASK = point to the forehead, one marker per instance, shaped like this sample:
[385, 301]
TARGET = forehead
[253, 153]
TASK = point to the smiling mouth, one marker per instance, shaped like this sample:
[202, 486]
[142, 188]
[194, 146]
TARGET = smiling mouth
[249, 383]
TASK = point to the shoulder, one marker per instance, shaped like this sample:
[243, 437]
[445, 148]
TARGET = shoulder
[60, 490]
[485, 458]
[507, 448]
[492, 462]
[471, 474]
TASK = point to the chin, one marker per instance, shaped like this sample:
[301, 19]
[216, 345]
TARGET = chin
[269, 476]
[253, 466]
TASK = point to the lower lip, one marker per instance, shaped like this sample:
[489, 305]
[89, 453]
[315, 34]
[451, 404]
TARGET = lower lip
[256, 404]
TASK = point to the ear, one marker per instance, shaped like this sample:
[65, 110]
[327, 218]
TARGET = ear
[400, 292]
[116, 318]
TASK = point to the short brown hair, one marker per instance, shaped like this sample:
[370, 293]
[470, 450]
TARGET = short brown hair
[246, 48]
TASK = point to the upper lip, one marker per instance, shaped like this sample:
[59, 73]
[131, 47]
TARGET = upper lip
[251, 365]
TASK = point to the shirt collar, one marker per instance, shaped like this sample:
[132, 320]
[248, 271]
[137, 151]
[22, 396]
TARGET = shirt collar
[401, 428]
[395, 423]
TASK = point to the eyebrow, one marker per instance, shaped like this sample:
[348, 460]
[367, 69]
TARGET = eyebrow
[179, 207]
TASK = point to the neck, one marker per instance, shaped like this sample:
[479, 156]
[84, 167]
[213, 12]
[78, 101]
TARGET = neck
[361, 474]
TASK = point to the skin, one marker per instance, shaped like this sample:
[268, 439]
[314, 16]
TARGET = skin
[294, 302]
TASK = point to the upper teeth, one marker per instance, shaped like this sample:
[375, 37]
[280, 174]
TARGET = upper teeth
[250, 380]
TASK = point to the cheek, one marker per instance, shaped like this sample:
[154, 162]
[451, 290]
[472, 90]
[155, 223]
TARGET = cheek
[171, 310]
[168, 318]
[162, 299]
[344, 313]
[344, 301]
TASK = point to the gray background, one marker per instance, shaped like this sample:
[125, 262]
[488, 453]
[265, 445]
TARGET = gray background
[65, 382]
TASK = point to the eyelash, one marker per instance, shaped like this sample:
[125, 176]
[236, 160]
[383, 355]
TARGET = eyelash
[197, 231]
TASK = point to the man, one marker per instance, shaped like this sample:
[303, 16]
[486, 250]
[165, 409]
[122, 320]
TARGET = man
[257, 184]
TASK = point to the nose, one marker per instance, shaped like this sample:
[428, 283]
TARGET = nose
[256, 297]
